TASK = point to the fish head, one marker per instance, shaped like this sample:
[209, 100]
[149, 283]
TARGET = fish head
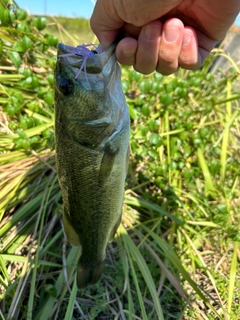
[87, 90]
[81, 82]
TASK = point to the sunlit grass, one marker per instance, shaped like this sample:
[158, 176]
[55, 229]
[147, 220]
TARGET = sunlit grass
[72, 31]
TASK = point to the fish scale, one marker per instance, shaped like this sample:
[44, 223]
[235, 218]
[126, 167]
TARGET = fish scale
[92, 150]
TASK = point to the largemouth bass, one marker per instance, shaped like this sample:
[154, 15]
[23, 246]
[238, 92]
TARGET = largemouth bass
[92, 150]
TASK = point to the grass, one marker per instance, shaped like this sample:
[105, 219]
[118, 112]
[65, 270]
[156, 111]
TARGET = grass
[72, 31]
[176, 254]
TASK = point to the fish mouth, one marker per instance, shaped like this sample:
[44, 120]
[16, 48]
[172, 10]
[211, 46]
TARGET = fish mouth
[79, 50]
[83, 57]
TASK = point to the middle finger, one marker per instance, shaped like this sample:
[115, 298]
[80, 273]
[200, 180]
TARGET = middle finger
[170, 46]
[148, 47]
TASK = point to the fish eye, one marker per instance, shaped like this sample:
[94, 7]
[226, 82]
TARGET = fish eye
[65, 85]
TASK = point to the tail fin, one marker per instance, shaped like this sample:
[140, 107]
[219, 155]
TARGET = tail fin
[87, 275]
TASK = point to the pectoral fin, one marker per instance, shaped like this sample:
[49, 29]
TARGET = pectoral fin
[107, 163]
[114, 230]
[71, 234]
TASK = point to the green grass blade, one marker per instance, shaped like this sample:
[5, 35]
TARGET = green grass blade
[209, 185]
[71, 302]
[172, 257]
[125, 267]
[225, 139]
[143, 203]
[22, 213]
[16, 258]
[227, 127]
[4, 271]
[144, 270]
[45, 310]
[40, 220]
[232, 278]
[139, 293]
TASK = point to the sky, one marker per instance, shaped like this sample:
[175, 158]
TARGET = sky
[70, 8]
[237, 22]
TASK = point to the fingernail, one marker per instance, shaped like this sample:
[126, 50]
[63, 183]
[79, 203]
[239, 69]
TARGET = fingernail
[187, 37]
[171, 33]
[151, 32]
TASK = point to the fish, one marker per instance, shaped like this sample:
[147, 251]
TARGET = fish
[92, 128]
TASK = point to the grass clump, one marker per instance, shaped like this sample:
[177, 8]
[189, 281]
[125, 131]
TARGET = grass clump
[185, 155]
[175, 255]
[72, 31]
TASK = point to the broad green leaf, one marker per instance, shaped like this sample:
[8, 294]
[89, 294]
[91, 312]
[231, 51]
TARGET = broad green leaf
[15, 58]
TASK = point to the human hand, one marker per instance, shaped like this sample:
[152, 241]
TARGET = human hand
[163, 35]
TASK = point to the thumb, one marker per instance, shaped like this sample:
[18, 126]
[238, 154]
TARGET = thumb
[105, 23]
[106, 38]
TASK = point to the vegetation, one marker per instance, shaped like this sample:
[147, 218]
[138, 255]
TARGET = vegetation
[176, 253]
[70, 30]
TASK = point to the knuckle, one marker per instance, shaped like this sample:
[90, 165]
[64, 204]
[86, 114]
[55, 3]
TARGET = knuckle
[188, 63]
[167, 67]
[143, 70]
